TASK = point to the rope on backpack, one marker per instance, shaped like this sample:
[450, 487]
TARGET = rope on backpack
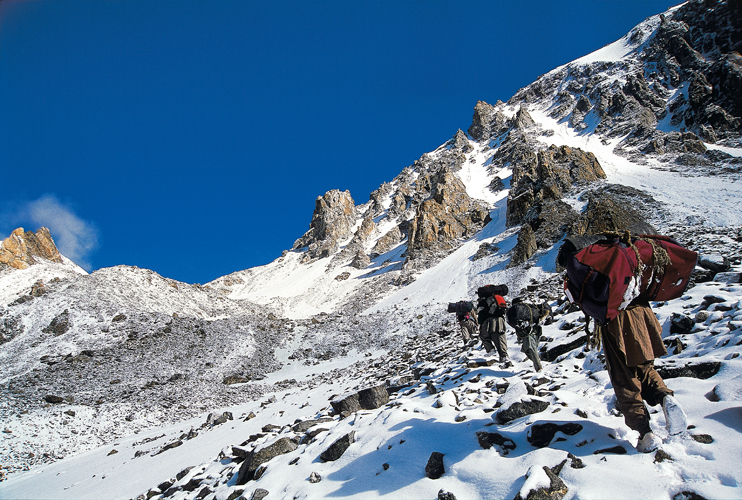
[661, 257]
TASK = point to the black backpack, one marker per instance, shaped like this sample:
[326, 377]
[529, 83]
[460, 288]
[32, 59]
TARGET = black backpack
[461, 307]
[490, 290]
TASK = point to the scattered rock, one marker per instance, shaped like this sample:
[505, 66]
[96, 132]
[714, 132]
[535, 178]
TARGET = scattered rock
[305, 425]
[60, 324]
[488, 439]
[533, 489]
[616, 450]
[681, 324]
[688, 495]
[541, 435]
[521, 409]
[260, 456]
[697, 370]
[446, 495]
[576, 463]
[259, 494]
[661, 456]
[337, 448]
[702, 438]
[434, 468]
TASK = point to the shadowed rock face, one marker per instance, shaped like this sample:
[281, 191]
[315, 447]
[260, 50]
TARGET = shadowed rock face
[22, 248]
[548, 176]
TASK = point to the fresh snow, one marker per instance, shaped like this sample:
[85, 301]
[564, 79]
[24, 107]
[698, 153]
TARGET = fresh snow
[405, 432]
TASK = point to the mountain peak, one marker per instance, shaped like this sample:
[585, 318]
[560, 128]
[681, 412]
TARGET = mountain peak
[22, 248]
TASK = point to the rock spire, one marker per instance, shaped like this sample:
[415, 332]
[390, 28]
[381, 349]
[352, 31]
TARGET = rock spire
[24, 248]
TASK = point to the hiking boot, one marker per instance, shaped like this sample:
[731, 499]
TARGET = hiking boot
[648, 443]
[506, 363]
[675, 419]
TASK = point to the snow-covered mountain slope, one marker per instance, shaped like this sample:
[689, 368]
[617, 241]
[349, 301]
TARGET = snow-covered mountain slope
[91, 312]
[648, 126]
[451, 407]
[15, 283]
[642, 106]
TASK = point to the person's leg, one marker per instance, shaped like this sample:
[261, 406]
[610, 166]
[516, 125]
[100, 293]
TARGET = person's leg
[654, 392]
[530, 347]
[485, 333]
[501, 340]
[627, 387]
[464, 331]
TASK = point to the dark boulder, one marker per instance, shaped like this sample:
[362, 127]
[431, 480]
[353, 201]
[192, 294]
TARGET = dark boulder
[521, 409]
[697, 370]
[541, 435]
[263, 455]
[307, 424]
[337, 448]
[434, 468]
[365, 399]
[681, 324]
[488, 439]
[552, 353]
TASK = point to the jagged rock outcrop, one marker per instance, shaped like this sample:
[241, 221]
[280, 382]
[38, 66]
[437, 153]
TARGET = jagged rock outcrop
[446, 217]
[333, 219]
[461, 142]
[539, 183]
[487, 120]
[548, 176]
[525, 247]
[24, 248]
[608, 213]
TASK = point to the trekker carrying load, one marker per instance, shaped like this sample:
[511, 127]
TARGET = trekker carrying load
[492, 307]
[525, 319]
[613, 280]
[466, 314]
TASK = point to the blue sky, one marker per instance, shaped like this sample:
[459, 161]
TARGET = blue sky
[193, 137]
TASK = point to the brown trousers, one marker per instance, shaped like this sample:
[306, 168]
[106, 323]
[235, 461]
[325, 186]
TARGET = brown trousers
[633, 385]
[468, 329]
[492, 333]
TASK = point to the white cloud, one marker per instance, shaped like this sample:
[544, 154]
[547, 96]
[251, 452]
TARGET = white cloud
[75, 238]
